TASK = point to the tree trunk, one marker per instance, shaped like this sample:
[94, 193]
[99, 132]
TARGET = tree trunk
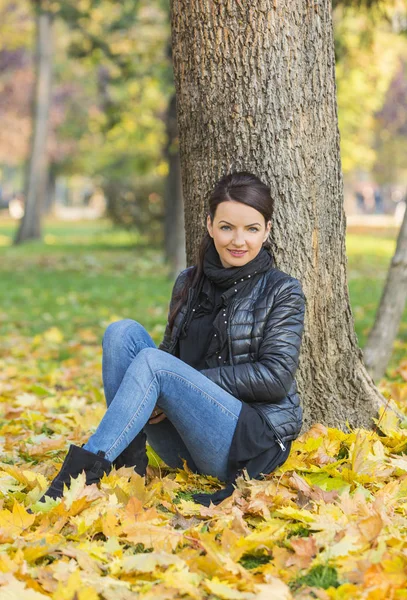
[173, 201]
[379, 344]
[50, 191]
[37, 167]
[255, 84]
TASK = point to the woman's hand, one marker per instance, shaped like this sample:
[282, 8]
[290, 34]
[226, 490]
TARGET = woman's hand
[156, 416]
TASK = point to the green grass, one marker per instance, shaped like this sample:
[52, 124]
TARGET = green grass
[80, 277]
[84, 274]
[320, 576]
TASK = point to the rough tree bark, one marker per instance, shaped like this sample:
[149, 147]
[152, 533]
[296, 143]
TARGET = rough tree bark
[379, 345]
[255, 84]
[173, 202]
[37, 166]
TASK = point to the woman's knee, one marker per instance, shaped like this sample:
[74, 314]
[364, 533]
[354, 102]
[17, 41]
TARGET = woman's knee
[118, 331]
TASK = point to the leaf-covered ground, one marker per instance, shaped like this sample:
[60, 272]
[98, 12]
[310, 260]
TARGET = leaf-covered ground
[331, 523]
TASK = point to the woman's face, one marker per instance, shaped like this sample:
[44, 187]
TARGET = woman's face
[238, 232]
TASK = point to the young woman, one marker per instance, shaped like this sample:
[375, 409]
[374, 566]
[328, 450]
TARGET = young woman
[219, 391]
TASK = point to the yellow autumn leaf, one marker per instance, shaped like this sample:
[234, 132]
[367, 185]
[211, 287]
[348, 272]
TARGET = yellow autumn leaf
[75, 588]
[152, 536]
[16, 521]
[30, 479]
[224, 590]
[183, 581]
[79, 495]
[148, 563]
[274, 589]
[13, 589]
[289, 512]
[53, 335]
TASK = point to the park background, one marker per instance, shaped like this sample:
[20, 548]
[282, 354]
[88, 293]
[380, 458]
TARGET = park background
[108, 245]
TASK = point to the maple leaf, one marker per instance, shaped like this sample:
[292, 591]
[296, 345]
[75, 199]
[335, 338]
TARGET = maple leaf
[148, 563]
[152, 536]
[224, 590]
[76, 588]
[14, 522]
[79, 495]
[304, 551]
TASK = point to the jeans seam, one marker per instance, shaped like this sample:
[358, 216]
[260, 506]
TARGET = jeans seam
[130, 423]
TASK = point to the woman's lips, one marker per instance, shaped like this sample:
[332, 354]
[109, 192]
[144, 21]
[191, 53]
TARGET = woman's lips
[237, 253]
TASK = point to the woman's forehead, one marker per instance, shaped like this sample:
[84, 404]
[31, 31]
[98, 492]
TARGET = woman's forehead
[238, 213]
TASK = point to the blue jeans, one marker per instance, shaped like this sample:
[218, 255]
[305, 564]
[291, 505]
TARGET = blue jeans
[201, 416]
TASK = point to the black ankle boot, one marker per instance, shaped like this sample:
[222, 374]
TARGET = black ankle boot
[135, 455]
[77, 460]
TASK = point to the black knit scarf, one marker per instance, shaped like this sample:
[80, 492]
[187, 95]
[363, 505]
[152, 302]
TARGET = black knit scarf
[225, 278]
[231, 280]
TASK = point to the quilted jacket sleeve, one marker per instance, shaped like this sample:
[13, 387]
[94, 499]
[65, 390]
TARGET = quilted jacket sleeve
[179, 282]
[269, 379]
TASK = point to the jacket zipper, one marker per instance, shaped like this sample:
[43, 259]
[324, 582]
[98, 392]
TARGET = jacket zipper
[278, 438]
[229, 329]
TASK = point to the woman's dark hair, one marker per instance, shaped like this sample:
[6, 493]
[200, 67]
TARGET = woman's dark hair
[241, 187]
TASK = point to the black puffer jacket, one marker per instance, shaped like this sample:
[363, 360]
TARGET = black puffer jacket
[264, 335]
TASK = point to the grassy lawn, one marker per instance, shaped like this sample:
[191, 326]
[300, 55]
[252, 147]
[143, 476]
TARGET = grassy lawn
[86, 274]
[83, 275]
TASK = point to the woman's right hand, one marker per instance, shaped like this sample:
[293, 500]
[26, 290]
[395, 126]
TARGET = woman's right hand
[156, 416]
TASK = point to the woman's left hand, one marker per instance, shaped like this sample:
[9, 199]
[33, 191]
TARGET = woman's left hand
[156, 418]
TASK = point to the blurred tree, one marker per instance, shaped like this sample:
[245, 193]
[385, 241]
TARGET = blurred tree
[173, 201]
[379, 345]
[16, 36]
[122, 144]
[391, 168]
[279, 122]
[117, 61]
[38, 162]
[368, 55]
[391, 131]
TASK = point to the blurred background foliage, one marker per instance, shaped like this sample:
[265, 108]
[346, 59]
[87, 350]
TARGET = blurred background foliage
[112, 86]
[113, 150]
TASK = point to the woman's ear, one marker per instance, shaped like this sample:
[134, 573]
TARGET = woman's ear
[268, 229]
[209, 225]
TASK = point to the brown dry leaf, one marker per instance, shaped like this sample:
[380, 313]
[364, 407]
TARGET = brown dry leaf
[305, 550]
[178, 521]
[370, 527]
[134, 507]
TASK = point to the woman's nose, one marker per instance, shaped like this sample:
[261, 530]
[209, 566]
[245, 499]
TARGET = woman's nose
[238, 239]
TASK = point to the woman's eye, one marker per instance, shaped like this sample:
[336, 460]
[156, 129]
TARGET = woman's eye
[254, 229]
[225, 227]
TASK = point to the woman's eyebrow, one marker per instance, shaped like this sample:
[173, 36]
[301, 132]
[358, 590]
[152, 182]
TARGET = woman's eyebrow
[227, 222]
